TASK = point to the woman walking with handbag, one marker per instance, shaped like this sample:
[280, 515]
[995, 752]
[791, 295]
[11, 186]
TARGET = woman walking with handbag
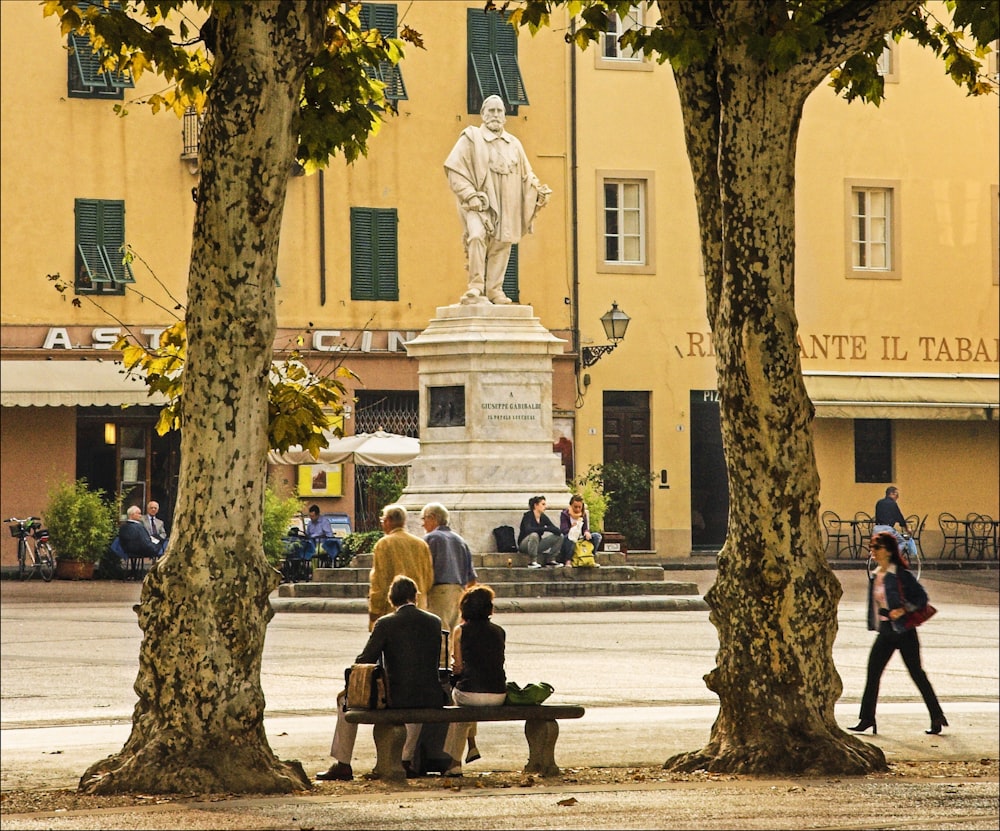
[890, 591]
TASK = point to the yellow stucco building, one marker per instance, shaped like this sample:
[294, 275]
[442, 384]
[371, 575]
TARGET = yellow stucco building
[897, 270]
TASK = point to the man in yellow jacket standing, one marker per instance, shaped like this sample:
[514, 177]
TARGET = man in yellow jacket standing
[398, 552]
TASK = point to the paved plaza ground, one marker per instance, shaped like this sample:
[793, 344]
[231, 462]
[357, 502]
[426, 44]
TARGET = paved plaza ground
[67, 703]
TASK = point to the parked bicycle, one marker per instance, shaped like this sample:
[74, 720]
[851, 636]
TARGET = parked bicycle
[34, 551]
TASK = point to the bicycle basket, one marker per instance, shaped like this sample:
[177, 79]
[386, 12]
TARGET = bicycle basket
[15, 530]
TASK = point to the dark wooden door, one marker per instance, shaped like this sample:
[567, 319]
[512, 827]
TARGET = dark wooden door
[709, 480]
[626, 438]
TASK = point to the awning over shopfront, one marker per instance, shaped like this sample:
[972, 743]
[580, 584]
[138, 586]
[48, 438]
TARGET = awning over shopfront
[86, 383]
[904, 395]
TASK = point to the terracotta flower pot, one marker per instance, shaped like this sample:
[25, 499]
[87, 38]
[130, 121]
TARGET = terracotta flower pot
[74, 570]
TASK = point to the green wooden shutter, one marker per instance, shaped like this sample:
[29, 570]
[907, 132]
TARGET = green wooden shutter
[362, 267]
[113, 241]
[90, 268]
[511, 286]
[505, 59]
[493, 66]
[100, 238]
[87, 63]
[383, 16]
[88, 78]
[387, 254]
[483, 80]
[374, 254]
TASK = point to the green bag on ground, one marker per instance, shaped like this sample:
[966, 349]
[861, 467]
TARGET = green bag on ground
[529, 693]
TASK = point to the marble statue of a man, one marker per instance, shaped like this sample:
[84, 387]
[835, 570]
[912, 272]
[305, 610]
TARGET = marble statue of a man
[498, 196]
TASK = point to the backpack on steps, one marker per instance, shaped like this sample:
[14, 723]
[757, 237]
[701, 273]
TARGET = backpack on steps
[503, 535]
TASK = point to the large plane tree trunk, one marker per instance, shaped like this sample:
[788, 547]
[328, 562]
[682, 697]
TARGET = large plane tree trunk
[198, 724]
[774, 601]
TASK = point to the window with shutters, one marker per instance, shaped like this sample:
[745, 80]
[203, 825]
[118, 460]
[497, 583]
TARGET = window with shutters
[374, 254]
[493, 67]
[86, 77]
[101, 262]
[382, 16]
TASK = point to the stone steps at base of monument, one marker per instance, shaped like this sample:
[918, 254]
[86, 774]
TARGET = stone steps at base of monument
[499, 560]
[493, 576]
[549, 588]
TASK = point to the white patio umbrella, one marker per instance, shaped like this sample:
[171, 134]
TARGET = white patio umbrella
[379, 448]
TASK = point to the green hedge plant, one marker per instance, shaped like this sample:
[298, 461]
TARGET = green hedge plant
[81, 522]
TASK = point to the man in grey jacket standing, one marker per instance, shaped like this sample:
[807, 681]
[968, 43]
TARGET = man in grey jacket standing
[453, 568]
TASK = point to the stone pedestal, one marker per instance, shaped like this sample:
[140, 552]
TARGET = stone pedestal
[485, 376]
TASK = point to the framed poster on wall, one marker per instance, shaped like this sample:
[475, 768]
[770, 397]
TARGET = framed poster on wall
[321, 480]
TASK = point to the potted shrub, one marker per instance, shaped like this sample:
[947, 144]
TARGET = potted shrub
[594, 499]
[621, 484]
[278, 513]
[81, 525]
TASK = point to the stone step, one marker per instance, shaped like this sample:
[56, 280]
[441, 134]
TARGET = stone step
[540, 588]
[497, 560]
[493, 576]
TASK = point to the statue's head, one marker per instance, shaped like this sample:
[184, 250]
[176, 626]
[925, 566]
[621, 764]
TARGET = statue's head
[494, 113]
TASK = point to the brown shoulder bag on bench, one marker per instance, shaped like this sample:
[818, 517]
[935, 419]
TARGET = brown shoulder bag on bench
[367, 687]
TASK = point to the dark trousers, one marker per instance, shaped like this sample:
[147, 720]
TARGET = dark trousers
[908, 645]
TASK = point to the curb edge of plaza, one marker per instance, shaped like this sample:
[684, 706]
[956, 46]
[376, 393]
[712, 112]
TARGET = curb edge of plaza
[636, 603]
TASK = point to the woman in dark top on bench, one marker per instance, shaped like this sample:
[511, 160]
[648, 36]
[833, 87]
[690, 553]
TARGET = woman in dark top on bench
[477, 666]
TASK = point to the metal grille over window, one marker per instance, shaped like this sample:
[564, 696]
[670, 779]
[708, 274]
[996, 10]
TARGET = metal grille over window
[394, 412]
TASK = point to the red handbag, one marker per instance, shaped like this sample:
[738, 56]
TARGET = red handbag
[914, 615]
[913, 619]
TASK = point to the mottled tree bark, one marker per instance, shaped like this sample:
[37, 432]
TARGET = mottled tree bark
[198, 723]
[774, 601]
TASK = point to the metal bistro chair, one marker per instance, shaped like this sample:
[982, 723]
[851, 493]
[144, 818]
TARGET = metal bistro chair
[978, 535]
[953, 533]
[297, 566]
[916, 526]
[863, 525]
[838, 532]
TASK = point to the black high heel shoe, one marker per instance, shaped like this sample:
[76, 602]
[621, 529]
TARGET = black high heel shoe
[936, 725]
[863, 725]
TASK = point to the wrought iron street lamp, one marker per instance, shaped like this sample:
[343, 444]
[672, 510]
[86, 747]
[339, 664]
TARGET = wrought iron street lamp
[615, 322]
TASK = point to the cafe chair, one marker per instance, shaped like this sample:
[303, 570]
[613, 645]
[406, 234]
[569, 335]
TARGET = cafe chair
[953, 534]
[838, 532]
[863, 529]
[916, 526]
[978, 535]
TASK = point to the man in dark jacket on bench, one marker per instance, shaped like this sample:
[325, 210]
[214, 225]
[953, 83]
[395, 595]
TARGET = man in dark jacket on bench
[409, 641]
[135, 540]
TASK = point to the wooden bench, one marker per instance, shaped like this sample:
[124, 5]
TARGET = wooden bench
[541, 729]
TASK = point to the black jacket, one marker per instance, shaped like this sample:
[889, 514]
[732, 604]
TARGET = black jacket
[530, 526]
[135, 540]
[410, 640]
[914, 595]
